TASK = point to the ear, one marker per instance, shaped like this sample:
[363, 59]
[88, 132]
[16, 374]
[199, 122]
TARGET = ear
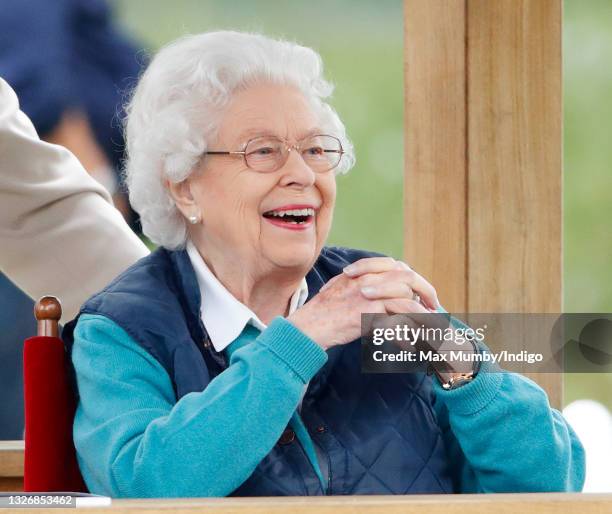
[183, 198]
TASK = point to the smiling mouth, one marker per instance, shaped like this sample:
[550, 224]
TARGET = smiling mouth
[291, 218]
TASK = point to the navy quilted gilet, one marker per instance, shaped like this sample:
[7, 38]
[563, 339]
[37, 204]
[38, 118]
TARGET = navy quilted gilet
[377, 432]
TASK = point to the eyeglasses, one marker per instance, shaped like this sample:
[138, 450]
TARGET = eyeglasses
[267, 154]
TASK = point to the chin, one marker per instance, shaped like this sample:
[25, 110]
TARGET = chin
[294, 256]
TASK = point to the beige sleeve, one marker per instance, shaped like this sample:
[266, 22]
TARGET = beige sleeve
[59, 232]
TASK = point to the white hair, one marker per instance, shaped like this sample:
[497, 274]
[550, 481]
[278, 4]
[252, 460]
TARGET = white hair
[178, 103]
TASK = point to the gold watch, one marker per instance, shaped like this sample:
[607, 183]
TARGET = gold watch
[454, 379]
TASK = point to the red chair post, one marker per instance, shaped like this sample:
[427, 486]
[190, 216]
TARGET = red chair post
[50, 458]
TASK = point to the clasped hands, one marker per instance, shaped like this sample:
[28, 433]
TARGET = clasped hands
[372, 285]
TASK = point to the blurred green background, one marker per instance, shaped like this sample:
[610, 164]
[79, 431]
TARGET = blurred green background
[587, 63]
[361, 43]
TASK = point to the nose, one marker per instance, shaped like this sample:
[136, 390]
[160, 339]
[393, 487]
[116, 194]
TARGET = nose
[296, 172]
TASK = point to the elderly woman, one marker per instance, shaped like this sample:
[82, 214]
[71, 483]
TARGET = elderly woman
[228, 361]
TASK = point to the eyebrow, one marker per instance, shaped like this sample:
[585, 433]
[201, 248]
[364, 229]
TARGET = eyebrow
[256, 132]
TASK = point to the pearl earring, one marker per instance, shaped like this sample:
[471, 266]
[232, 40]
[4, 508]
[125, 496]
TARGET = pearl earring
[193, 219]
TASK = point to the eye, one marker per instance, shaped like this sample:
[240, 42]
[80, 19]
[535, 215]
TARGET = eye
[315, 150]
[263, 151]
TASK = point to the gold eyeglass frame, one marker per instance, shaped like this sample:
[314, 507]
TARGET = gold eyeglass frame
[288, 146]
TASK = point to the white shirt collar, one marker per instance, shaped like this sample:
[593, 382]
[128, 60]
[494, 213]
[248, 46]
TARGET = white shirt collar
[222, 314]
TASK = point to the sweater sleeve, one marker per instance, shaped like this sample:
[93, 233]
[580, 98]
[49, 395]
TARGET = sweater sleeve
[502, 435]
[133, 438]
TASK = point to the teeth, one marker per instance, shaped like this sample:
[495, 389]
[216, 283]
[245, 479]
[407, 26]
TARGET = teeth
[294, 212]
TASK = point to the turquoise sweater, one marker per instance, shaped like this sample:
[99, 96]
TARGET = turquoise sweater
[134, 439]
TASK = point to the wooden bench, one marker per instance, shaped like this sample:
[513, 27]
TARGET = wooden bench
[11, 465]
[11, 479]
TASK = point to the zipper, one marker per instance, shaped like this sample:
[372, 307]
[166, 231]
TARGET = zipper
[329, 473]
[308, 447]
[323, 456]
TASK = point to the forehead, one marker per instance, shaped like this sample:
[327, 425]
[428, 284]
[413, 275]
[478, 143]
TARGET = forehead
[268, 109]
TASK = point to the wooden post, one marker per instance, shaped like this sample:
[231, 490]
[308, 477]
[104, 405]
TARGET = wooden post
[483, 154]
[435, 185]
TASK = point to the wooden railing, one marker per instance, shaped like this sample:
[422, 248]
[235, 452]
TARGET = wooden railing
[421, 504]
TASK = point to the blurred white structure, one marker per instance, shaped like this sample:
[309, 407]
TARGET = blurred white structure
[593, 424]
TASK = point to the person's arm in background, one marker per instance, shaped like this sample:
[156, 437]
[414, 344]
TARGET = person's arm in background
[59, 232]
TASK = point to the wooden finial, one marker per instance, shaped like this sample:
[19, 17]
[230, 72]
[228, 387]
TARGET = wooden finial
[48, 311]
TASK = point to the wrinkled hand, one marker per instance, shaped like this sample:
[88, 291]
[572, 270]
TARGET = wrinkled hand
[371, 285]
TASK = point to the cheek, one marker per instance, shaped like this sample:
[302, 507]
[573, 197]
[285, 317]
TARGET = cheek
[328, 194]
[231, 198]
[328, 197]
[243, 211]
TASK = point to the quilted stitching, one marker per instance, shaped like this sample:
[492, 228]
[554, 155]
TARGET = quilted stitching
[395, 417]
[384, 430]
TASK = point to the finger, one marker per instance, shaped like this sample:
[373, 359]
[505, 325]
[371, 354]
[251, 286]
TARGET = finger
[421, 286]
[388, 290]
[370, 265]
[402, 265]
[398, 306]
[382, 320]
[391, 321]
[385, 277]
[431, 319]
[415, 281]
